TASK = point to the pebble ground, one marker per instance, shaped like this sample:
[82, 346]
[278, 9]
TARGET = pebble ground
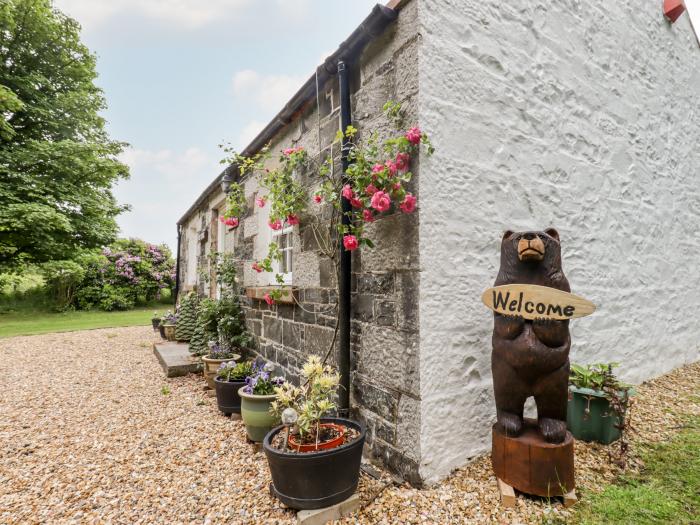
[92, 432]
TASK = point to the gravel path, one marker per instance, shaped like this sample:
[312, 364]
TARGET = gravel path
[91, 432]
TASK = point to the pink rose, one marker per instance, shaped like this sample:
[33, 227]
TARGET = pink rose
[397, 186]
[292, 219]
[318, 199]
[381, 201]
[414, 135]
[377, 168]
[231, 221]
[260, 201]
[347, 192]
[288, 151]
[367, 216]
[222, 218]
[371, 189]
[257, 267]
[391, 166]
[356, 203]
[402, 160]
[350, 242]
[269, 300]
[277, 225]
[409, 204]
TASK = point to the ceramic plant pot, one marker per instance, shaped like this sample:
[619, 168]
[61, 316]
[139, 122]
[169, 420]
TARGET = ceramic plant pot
[169, 331]
[227, 397]
[314, 480]
[255, 412]
[211, 368]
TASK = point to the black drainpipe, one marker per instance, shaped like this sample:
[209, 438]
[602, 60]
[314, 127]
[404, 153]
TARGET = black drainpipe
[345, 255]
[177, 263]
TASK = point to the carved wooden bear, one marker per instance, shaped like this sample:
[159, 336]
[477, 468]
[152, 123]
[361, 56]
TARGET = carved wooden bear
[531, 358]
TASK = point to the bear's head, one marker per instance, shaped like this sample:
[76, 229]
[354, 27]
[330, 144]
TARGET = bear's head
[532, 257]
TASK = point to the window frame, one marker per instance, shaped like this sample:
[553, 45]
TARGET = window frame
[287, 252]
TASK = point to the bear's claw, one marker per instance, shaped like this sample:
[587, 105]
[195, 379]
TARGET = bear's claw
[511, 424]
[553, 430]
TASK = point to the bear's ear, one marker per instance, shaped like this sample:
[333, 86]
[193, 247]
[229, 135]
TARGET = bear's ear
[552, 233]
[506, 234]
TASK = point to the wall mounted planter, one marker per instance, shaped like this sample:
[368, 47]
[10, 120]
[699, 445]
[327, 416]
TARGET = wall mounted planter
[599, 424]
[255, 412]
[315, 480]
[227, 397]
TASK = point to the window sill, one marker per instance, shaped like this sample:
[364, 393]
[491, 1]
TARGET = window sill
[258, 293]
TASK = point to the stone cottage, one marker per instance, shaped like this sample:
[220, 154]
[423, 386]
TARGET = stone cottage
[578, 115]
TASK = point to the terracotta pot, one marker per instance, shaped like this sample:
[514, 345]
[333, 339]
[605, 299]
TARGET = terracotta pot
[324, 445]
[169, 330]
[315, 479]
[211, 367]
[255, 412]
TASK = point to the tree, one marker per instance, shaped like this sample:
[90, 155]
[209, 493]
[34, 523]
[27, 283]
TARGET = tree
[57, 163]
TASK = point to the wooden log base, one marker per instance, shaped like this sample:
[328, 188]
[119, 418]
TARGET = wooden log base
[530, 465]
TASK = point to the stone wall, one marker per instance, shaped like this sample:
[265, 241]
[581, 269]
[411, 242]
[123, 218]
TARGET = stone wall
[578, 115]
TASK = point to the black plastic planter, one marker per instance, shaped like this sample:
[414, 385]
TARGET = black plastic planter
[227, 396]
[155, 322]
[316, 479]
[161, 329]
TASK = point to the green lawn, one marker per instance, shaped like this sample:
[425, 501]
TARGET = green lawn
[666, 491]
[37, 321]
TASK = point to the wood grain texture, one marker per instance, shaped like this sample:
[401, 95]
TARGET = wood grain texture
[535, 302]
[531, 465]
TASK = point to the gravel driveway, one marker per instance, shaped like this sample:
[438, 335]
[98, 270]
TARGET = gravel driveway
[91, 432]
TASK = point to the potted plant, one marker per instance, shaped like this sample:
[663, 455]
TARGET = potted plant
[155, 321]
[168, 323]
[314, 460]
[256, 398]
[230, 378]
[598, 403]
[213, 360]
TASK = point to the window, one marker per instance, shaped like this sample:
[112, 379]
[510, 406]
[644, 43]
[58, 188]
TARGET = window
[283, 238]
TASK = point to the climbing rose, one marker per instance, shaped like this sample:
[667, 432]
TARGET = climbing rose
[397, 186]
[413, 135]
[350, 242]
[377, 168]
[402, 160]
[371, 189]
[260, 202]
[367, 216]
[288, 151]
[231, 221]
[347, 192]
[269, 300]
[355, 203]
[318, 199]
[391, 166]
[292, 219]
[381, 201]
[409, 204]
[277, 225]
[257, 267]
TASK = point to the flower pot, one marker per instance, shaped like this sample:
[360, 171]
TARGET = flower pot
[161, 329]
[211, 367]
[155, 321]
[323, 445]
[227, 397]
[169, 330]
[599, 424]
[315, 480]
[255, 412]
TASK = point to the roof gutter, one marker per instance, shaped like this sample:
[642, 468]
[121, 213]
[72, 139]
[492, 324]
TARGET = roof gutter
[370, 28]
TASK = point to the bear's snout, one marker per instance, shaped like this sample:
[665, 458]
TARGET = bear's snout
[530, 248]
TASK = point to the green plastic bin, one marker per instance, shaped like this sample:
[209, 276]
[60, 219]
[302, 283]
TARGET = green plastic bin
[599, 424]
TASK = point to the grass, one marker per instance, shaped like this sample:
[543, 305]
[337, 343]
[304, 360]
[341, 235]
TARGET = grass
[40, 321]
[666, 491]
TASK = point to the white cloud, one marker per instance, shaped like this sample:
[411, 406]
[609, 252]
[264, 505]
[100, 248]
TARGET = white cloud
[248, 133]
[189, 14]
[270, 92]
[163, 185]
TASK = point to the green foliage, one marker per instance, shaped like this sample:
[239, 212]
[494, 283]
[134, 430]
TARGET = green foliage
[62, 280]
[205, 327]
[187, 317]
[235, 202]
[231, 328]
[57, 164]
[666, 491]
[231, 371]
[597, 376]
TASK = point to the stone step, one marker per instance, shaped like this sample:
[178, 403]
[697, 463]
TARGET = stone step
[175, 358]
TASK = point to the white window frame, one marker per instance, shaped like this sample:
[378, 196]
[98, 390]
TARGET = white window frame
[287, 254]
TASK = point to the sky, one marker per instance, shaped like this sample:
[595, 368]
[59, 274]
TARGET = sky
[182, 76]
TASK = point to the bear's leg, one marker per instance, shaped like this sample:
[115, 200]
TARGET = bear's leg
[551, 394]
[510, 393]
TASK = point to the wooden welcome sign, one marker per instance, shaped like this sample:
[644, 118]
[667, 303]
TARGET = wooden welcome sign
[530, 301]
